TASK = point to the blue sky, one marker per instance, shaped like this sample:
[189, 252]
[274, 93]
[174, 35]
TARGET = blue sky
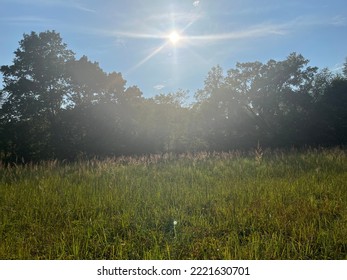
[132, 37]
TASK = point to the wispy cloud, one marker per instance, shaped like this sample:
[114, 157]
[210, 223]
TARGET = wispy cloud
[284, 28]
[82, 8]
[266, 29]
[24, 19]
[128, 34]
[261, 30]
[74, 4]
[27, 20]
[159, 87]
[137, 30]
[180, 18]
[196, 3]
[309, 22]
[339, 20]
[119, 42]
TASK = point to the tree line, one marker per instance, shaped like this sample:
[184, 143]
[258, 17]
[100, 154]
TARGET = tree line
[55, 106]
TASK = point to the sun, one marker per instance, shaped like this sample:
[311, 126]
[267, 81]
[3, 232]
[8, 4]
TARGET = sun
[174, 37]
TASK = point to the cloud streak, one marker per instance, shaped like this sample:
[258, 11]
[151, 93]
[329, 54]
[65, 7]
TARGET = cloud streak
[270, 29]
[255, 31]
[339, 21]
[196, 3]
[251, 32]
[159, 87]
[24, 19]
[55, 3]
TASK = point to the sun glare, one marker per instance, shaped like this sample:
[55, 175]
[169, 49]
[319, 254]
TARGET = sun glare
[174, 37]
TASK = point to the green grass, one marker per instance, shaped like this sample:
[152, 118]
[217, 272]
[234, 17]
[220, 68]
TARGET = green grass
[274, 205]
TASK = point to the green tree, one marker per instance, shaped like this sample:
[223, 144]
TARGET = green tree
[255, 101]
[35, 85]
[34, 92]
[277, 95]
[328, 123]
[87, 82]
[164, 122]
[345, 68]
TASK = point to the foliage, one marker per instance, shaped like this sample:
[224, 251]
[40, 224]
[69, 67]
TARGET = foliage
[54, 106]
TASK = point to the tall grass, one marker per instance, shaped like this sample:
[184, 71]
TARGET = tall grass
[266, 205]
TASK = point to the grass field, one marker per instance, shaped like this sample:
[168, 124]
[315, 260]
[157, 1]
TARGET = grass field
[271, 205]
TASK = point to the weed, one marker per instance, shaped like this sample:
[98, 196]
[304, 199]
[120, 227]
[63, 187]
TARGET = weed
[285, 205]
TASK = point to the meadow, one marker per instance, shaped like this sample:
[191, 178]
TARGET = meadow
[259, 205]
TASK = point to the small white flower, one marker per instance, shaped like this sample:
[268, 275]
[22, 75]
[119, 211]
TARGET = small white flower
[174, 223]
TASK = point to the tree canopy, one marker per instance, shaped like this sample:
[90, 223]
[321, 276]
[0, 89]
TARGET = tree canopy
[55, 106]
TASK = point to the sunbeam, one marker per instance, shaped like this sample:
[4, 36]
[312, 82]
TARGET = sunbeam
[138, 35]
[148, 57]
